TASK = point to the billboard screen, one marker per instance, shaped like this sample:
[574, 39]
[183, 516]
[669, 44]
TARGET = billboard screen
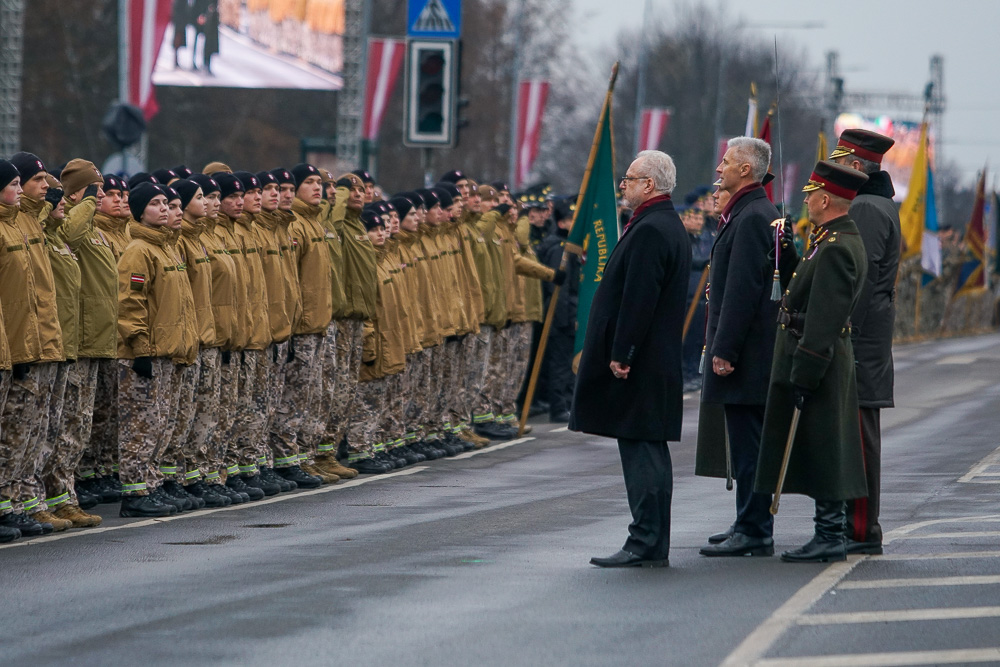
[253, 44]
[899, 160]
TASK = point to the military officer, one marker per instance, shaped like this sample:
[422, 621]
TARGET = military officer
[813, 369]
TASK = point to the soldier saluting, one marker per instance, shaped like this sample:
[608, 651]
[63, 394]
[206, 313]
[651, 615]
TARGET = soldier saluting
[813, 369]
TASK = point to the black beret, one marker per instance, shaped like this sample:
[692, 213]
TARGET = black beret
[249, 181]
[140, 197]
[164, 176]
[454, 176]
[141, 177]
[228, 184]
[187, 189]
[27, 165]
[8, 172]
[402, 204]
[284, 176]
[371, 219]
[302, 171]
[207, 183]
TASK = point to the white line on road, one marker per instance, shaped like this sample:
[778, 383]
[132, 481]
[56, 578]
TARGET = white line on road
[950, 535]
[972, 580]
[888, 659]
[760, 640]
[903, 531]
[205, 512]
[560, 429]
[941, 556]
[980, 468]
[938, 614]
[491, 448]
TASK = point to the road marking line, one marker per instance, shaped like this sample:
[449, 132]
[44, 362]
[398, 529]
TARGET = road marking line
[903, 531]
[560, 429]
[490, 448]
[977, 470]
[942, 536]
[970, 580]
[934, 614]
[956, 360]
[888, 659]
[941, 556]
[760, 640]
[205, 512]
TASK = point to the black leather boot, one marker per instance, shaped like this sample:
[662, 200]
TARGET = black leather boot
[829, 543]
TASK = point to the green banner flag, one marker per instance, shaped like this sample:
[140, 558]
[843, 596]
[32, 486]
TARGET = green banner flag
[595, 224]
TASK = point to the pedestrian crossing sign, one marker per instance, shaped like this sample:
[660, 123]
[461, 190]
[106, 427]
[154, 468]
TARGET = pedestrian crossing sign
[441, 19]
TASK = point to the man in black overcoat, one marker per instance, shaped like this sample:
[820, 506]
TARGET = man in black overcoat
[877, 218]
[629, 383]
[739, 345]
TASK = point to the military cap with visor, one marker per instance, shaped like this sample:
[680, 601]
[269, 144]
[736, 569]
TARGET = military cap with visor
[836, 179]
[863, 144]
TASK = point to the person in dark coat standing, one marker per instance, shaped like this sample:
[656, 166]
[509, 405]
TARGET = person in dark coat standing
[813, 369]
[629, 381]
[557, 367]
[739, 343]
[877, 218]
[702, 237]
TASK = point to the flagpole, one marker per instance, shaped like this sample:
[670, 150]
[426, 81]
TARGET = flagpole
[529, 395]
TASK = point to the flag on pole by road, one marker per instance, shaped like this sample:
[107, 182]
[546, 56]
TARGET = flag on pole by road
[595, 224]
[530, 110]
[147, 23]
[652, 127]
[385, 59]
[972, 273]
[751, 128]
[765, 134]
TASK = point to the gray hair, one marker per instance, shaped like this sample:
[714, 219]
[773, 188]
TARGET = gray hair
[756, 152]
[659, 166]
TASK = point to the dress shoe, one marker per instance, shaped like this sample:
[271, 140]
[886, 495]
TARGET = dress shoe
[177, 490]
[258, 482]
[201, 490]
[77, 516]
[45, 516]
[559, 417]
[301, 479]
[627, 559]
[873, 548]
[718, 538]
[268, 474]
[370, 466]
[8, 534]
[144, 506]
[818, 550]
[739, 544]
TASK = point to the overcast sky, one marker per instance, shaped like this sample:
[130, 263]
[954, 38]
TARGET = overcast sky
[884, 45]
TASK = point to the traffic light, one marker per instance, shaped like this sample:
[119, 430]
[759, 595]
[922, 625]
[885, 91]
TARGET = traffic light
[430, 98]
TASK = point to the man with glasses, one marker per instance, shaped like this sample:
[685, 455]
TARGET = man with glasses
[629, 384]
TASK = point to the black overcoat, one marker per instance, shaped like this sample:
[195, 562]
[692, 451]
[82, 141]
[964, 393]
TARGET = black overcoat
[877, 218]
[636, 318]
[742, 320]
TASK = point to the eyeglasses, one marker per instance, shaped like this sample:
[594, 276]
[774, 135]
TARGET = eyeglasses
[633, 178]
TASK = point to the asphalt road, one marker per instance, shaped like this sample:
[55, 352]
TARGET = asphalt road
[482, 560]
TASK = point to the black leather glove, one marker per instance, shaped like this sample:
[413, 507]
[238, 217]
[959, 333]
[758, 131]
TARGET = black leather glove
[226, 354]
[143, 367]
[502, 209]
[291, 349]
[54, 196]
[20, 371]
[787, 232]
[801, 394]
[91, 191]
[560, 277]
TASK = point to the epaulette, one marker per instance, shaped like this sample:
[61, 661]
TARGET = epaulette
[832, 237]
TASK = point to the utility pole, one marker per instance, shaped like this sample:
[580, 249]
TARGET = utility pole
[11, 68]
[350, 102]
[515, 87]
[640, 89]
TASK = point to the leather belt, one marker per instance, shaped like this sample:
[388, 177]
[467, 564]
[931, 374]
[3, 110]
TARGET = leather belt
[794, 323]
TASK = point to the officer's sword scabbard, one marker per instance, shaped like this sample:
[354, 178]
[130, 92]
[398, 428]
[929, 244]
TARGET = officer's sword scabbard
[784, 461]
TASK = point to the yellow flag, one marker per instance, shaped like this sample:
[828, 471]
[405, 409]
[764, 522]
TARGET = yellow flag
[914, 209]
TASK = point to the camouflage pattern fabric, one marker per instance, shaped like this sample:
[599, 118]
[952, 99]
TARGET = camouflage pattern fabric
[364, 420]
[348, 365]
[231, 404]
[255, 384]
[477, 370]
[45, 386]
[101, 455]
[143, 408]
[276, 359]
[72, 439]
[312, 437]
[180, 419]
[202, 455]
[299, 399]
[515, 366]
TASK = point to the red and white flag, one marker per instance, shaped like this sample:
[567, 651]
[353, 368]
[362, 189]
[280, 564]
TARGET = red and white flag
[530, 109]
[385, 59]
[147, 22]
[652, 128]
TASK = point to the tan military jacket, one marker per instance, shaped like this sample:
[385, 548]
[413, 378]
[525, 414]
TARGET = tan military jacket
[225, 288]
[532, 287]
[155, 307]
[360, 290]
[314, 268]
[66, 273]
[282, 288]
[225, 231]
[29, 223]
[197, 264]
[115, 231]
[257, 299]
[384, 340]
[17, 291]
[514, 266]
[98, 280]
[487, 225]
[421, 287]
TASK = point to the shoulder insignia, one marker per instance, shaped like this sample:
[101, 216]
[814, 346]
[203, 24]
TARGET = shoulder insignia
[137, 281]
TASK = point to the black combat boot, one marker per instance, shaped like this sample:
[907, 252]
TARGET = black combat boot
[269, 475]
[144, 506]
[176, 490]
[829, 543]
[258, 482]
[238, 484]
[371, 467]
[299, 476]
[182, 504]
[201, 490]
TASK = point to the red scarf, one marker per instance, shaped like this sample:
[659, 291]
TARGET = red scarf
[642, 207]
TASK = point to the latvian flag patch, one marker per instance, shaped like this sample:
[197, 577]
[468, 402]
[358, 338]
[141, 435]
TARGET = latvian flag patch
[137, 281]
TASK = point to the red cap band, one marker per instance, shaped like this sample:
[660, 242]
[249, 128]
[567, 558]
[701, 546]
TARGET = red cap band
[833, 188]
[862, 153]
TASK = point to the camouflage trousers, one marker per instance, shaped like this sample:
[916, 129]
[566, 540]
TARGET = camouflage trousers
[276, 359]
[451, 394]
[475, 360]
[299, 399]
[516, 366]
[231, 403]
[101, 454]
[430, 393]
[415, 379]
[71, 437]
[183, 383]
[312, 436]
[201, 456]
[392, 425]
[24, 424]
[255, 386]
[143, 410]
[365, 418]
[347, 367]
[489, 405]
[5, 381]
